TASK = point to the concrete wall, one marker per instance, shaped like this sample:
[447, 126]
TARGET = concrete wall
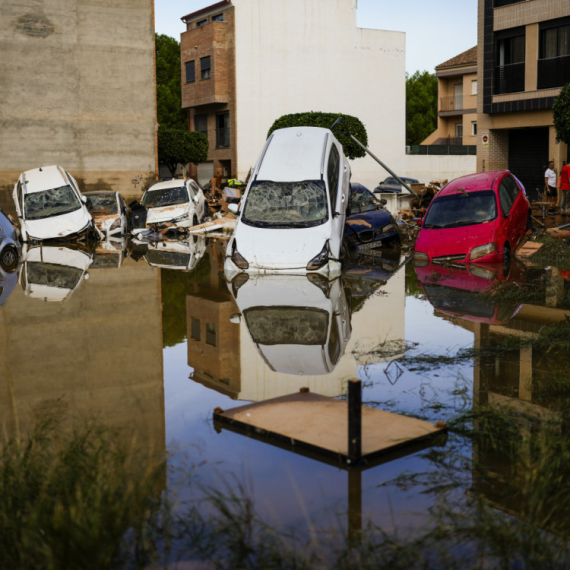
[77, 89]
[297, 55]
[429, 167]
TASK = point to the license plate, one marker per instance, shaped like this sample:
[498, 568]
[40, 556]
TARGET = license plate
[367, 246]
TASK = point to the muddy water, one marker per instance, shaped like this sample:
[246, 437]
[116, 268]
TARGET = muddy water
[152, 339]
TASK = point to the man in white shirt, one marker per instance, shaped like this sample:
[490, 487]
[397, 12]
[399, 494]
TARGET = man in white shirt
[550, 183]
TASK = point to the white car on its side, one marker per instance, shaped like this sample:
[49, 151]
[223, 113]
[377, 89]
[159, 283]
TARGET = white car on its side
[50, 206]
[179, 202]
[292, 215]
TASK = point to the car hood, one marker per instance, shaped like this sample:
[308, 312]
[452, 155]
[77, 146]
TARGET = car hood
[166, 214]
[374, 220]
[58, 226]
[455, 241]
[275, 249]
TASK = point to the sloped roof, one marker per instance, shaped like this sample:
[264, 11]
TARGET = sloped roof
[468, 57]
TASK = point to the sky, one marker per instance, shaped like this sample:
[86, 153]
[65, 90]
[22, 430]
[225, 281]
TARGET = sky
[436, 30]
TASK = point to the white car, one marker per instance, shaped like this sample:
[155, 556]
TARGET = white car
[180, 202]
[53, 273]
[293, 212]
[109, 212]
[50, 206]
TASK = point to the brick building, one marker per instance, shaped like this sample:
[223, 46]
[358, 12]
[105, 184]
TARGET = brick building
[523, 61]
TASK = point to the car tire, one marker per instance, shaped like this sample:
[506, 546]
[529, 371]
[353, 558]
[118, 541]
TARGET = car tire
[529, 224]
[9, 259]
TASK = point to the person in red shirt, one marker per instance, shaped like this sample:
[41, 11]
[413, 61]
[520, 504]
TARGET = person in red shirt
[565, 188]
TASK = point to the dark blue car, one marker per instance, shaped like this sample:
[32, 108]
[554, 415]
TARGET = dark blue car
[368, 224]
[392, 185]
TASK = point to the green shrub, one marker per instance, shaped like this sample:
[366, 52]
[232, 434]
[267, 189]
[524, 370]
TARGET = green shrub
[181, 147]
[561, 110]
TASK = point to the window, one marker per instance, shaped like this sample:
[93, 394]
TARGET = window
[218, 18]
[333, 175]
[474, 87]
[458, 130]
[190, 71]
[474, 128]
[201, 23]
[510, 49]
[223, 130]
[195, 329]
[205, 67]
[508, 192]
[555, 42]
[201, 124]
[554, 51]
[211, 334]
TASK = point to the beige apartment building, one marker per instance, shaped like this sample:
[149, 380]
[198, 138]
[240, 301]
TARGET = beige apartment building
[457, 101]
[523, 61]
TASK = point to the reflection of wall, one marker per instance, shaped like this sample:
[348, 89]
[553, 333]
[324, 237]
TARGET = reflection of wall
[98, 354]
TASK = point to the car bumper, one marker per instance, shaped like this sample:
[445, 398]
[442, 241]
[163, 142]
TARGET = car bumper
[330, 270]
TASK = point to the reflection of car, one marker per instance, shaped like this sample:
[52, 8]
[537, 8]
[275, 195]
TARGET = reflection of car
[368, 224]
[53, 273]
[179, 202]
[479, 217]
[293, 211]
[50, 206]
[299, 324]
[9, 245]
[8, 281]
[390, 184]
[181, 255]
[109, 212]
[110, 253]
[455, 291]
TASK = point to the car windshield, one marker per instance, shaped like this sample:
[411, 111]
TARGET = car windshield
[106, 202]
[463, 209]
[286, 204]
[48, 203]
[165, 197]
[363, 201]
[51, 275]
[170, 258]
[459, 302]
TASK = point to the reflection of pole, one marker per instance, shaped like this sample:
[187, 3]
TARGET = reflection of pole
[354, 420]
[354, 505]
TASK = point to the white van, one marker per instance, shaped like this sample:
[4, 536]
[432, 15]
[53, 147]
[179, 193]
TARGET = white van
[292, 215]
[50, 206]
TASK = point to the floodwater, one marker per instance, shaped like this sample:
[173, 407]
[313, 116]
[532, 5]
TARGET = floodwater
[151, 339]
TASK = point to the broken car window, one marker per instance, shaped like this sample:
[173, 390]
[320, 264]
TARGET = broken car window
[166, 197]
[55, 202]
[463, 209]
[106, 202]
[363, 201]
[286, 204]
[50, 275]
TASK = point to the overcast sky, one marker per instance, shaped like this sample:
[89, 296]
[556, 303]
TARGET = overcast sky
[436, 30]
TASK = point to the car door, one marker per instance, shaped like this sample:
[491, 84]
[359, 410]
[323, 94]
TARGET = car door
[335, 175]
[200, 200]
[508, 228]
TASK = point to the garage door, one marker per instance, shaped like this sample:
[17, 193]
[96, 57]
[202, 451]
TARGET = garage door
[205, 172]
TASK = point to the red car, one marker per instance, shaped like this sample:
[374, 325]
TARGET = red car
[480, 217]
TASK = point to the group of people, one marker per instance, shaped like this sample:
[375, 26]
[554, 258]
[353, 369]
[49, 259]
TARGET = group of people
[551, 185]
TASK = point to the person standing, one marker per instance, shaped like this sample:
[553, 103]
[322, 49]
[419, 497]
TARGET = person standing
[565, 188]
[550, 185]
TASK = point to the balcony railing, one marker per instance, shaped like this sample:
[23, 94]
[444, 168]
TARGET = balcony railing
[500, 3]
[452, 103]
[223, 138]
[509, 78]
[553, 72]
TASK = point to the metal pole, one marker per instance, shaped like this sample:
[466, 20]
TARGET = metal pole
[354, 420]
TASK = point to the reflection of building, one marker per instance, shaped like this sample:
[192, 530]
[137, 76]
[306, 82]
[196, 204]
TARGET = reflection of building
[96, 356]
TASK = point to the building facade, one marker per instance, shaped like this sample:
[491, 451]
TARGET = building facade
[457, 101]
[77, 89]
[245, 63]
[523, 61]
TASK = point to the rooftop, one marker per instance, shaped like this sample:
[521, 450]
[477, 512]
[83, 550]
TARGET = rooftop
[193, 15]
[468, 57]
[44, 178]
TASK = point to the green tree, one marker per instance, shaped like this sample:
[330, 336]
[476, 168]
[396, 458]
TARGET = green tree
[181, 147]
[168, 84]
[326, 120]
[561, 111]
[421, 106]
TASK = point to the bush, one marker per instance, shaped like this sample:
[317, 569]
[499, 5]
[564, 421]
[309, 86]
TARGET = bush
[561, 110]
[326, 120]
[181, 147]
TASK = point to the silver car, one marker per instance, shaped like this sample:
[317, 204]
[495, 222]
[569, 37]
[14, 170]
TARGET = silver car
[10, 249]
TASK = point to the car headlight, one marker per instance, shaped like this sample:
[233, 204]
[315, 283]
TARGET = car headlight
[238, 259]
[482, 251]
[319, 260]
[420, 259]
[116, 225]
[481, 272]
[181, 218]
[388, 228]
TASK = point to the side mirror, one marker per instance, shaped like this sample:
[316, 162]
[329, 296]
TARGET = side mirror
[383, 201]
[234, 209]
[84, 199]
[420, 222]
[86, 277]
[235, 319]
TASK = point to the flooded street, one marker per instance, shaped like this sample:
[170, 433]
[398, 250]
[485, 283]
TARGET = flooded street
[151, 339]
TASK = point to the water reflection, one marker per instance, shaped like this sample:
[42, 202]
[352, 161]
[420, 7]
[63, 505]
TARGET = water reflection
[8, 281]
[110, 253]
[181, 254]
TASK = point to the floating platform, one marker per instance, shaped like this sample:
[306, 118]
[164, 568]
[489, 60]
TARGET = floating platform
[324, 428]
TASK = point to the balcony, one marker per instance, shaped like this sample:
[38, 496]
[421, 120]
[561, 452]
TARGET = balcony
[452, 103]
[223, 138]
[553, 72]
[509, 78]
[501, 3]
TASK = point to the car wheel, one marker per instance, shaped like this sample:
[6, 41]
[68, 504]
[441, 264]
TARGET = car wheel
[9, 258]
[529, 225]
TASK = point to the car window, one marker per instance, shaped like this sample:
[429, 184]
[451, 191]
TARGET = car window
[333, 174]
[506, 196]
[512, 187]
[191, 190]
[390, 180]
[20, 199]
[363, 201]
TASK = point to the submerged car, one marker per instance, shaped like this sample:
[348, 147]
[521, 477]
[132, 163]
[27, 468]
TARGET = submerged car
[109, 212]
[292, 215]
[479, 217]
[50, 206]
[178, 202]
[390, 184]
[181, 255]
[10, 249]
[368, 224]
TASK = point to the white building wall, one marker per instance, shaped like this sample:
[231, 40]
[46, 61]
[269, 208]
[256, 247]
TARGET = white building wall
[429, 167]
[295, 56]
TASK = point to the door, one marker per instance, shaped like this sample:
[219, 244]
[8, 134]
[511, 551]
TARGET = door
[458, 96]
[337, 199]
[205, 172]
